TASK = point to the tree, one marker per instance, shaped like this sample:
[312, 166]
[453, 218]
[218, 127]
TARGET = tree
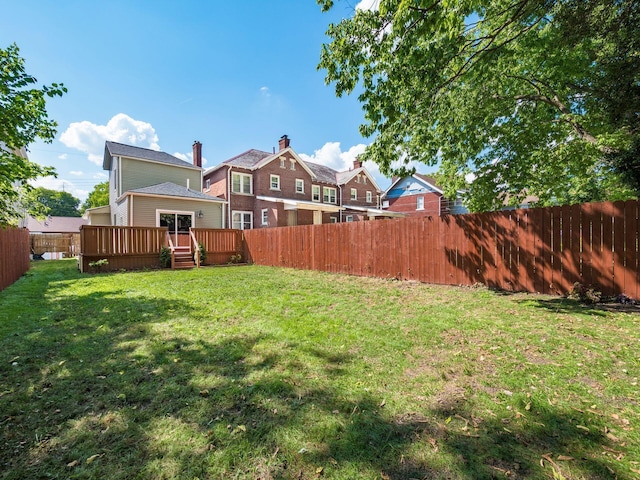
[523, 97]
[23, 119]
[57, 204]
[98, 197]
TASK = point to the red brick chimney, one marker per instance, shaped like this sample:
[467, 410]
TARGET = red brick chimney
[283, 142]
[357, 163]
[197, 154]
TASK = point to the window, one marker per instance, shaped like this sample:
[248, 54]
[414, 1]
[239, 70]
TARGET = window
[265, 216]
[385, 204]
[364, 179]
[282, 163]
[207, 184]
[242, 220]
[333, 220]
[420, 203]
[369, 197]
[274, 182]
[293, 164]
[354, 194]
[358, 179]
[315, 193]
[349, 218]
[241, 183]
[329, 194]
[299, 185]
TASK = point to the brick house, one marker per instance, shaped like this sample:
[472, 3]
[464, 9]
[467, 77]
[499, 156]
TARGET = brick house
[280, 189]
[419, 195]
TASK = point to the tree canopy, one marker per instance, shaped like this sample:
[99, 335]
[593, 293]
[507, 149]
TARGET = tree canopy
[511, 98]
[56, 203]
[23, 119]
[98, 197]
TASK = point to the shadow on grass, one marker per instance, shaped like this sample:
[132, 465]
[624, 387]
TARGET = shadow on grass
[97, 386]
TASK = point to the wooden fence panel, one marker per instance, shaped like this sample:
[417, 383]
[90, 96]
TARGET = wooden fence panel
[14, 255]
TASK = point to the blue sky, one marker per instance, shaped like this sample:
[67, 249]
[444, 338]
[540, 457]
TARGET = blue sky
[233, 75]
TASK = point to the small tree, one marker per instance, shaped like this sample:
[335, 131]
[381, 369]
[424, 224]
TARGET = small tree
[23, 119]
[99, 197]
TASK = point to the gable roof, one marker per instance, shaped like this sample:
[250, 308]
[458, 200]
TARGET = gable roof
[114, 149]
[345, 176]
[323, 173]
[170, 189]
[56, 224]
[424, 179]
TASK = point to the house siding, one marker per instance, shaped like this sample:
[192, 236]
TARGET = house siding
[120, 213]
[218, 183]
[144, 210]
[140, 173]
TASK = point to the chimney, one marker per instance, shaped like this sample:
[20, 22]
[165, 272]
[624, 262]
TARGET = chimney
[357, 163]
[197, 154]
[283, 142]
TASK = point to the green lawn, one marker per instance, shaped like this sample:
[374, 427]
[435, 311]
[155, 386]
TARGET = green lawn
[256, 372]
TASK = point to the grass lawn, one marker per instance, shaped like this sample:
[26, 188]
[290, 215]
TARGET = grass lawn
[260, 373]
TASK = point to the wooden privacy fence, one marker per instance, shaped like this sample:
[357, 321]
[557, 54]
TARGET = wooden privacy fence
[132, 248]
[66, 243]
[220, 244]
[14, 255]
[542, 250]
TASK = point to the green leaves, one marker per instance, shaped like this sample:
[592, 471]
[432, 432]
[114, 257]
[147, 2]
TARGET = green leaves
[23, 118]
[518, 92]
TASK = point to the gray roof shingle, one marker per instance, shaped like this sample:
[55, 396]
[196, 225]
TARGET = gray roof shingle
[114, 149]
[170, 189]
[323, 174]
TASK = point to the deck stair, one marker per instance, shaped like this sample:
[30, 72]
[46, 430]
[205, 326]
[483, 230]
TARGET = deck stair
[184, 258]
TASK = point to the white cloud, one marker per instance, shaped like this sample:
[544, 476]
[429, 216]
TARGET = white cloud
[188, 157]
[89, 137]
[61, 185]
[64, 156]
[76, 173]
[100, 176]
[368, 5]
[265, 91]
[331, 155]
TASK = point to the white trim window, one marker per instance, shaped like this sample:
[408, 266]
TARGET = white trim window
[265, 216]
[241, 220]
[315, 193]
[329, 194]
[364, 179]
[419, 203]
[293, 164]
[282, 162]
[354, 194]
[207, 184]
[274, 182]
[333, 220]
[369, 197]
[349, 218]
[241, 183]
[299, 185]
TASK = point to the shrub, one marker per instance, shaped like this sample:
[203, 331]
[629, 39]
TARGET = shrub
[585, 294]
[98, 264]
[165, 257]
[202, 252]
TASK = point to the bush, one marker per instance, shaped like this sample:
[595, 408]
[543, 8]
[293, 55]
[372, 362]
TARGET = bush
[585, 294]
[202, 252]
[165, 257]
[98, 264]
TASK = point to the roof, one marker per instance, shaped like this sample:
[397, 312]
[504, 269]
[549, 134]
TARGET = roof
[56, 224]
[170, 189]
[429, 180]
[247, 159]
[114, 149]
[323, 173]
[418, 176]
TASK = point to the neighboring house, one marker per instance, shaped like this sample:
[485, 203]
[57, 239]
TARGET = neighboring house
[54, 237]
[419, 195]
[149, 188]
[280, 189]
